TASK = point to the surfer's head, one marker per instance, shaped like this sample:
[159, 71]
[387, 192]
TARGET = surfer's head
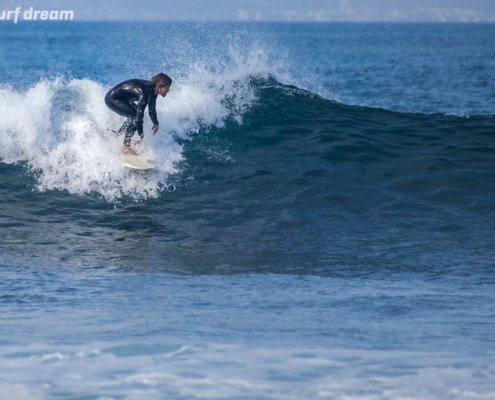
[161, 83]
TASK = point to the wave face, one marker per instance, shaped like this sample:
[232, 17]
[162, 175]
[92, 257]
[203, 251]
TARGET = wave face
[277, 162]
[319, 224]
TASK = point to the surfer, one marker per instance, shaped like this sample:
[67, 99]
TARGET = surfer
[130, 99]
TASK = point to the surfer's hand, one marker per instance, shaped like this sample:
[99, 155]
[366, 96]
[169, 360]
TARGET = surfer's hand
[154, 129]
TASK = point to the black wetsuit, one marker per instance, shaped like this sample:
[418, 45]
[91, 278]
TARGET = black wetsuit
[130, 99]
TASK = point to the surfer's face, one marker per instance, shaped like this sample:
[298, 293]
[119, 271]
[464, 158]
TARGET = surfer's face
[164, 90]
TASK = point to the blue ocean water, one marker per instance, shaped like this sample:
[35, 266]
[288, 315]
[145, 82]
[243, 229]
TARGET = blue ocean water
[320, 223]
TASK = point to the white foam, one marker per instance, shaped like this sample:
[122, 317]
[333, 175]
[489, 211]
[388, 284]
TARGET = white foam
[228, 371]
[60, 128]
[52, 357]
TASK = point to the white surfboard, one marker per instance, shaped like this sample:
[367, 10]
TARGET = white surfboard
[144, 159]
[137, 162]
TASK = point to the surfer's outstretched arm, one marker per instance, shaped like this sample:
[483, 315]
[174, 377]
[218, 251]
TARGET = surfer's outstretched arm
[152, 109]
[152, 112]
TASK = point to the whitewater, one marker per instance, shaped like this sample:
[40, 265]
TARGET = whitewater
[62, 130]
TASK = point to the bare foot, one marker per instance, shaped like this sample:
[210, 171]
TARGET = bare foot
[135, 142]
[129, 150]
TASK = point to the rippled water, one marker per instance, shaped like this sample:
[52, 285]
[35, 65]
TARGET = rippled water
[319, 225]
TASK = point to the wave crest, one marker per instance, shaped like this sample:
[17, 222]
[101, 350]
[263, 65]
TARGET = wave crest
[60, 128]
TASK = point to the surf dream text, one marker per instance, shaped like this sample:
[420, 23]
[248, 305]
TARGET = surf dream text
[31, 14]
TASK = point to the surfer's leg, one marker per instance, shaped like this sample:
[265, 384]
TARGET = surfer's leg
[129, 132]
[123, 128]
[125, 109]
[120, 107]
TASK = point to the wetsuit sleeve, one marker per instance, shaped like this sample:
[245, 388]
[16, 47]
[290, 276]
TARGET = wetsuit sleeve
[152, 109]
[141, 106]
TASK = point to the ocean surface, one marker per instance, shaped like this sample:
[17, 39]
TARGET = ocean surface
[320, 224]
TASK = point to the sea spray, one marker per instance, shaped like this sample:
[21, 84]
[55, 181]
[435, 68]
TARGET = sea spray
[62, 130]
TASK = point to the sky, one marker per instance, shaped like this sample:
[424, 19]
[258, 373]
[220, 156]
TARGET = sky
[269, 10]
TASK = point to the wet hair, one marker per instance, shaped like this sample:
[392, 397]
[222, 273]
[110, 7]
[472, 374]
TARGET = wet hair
[160, 80]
